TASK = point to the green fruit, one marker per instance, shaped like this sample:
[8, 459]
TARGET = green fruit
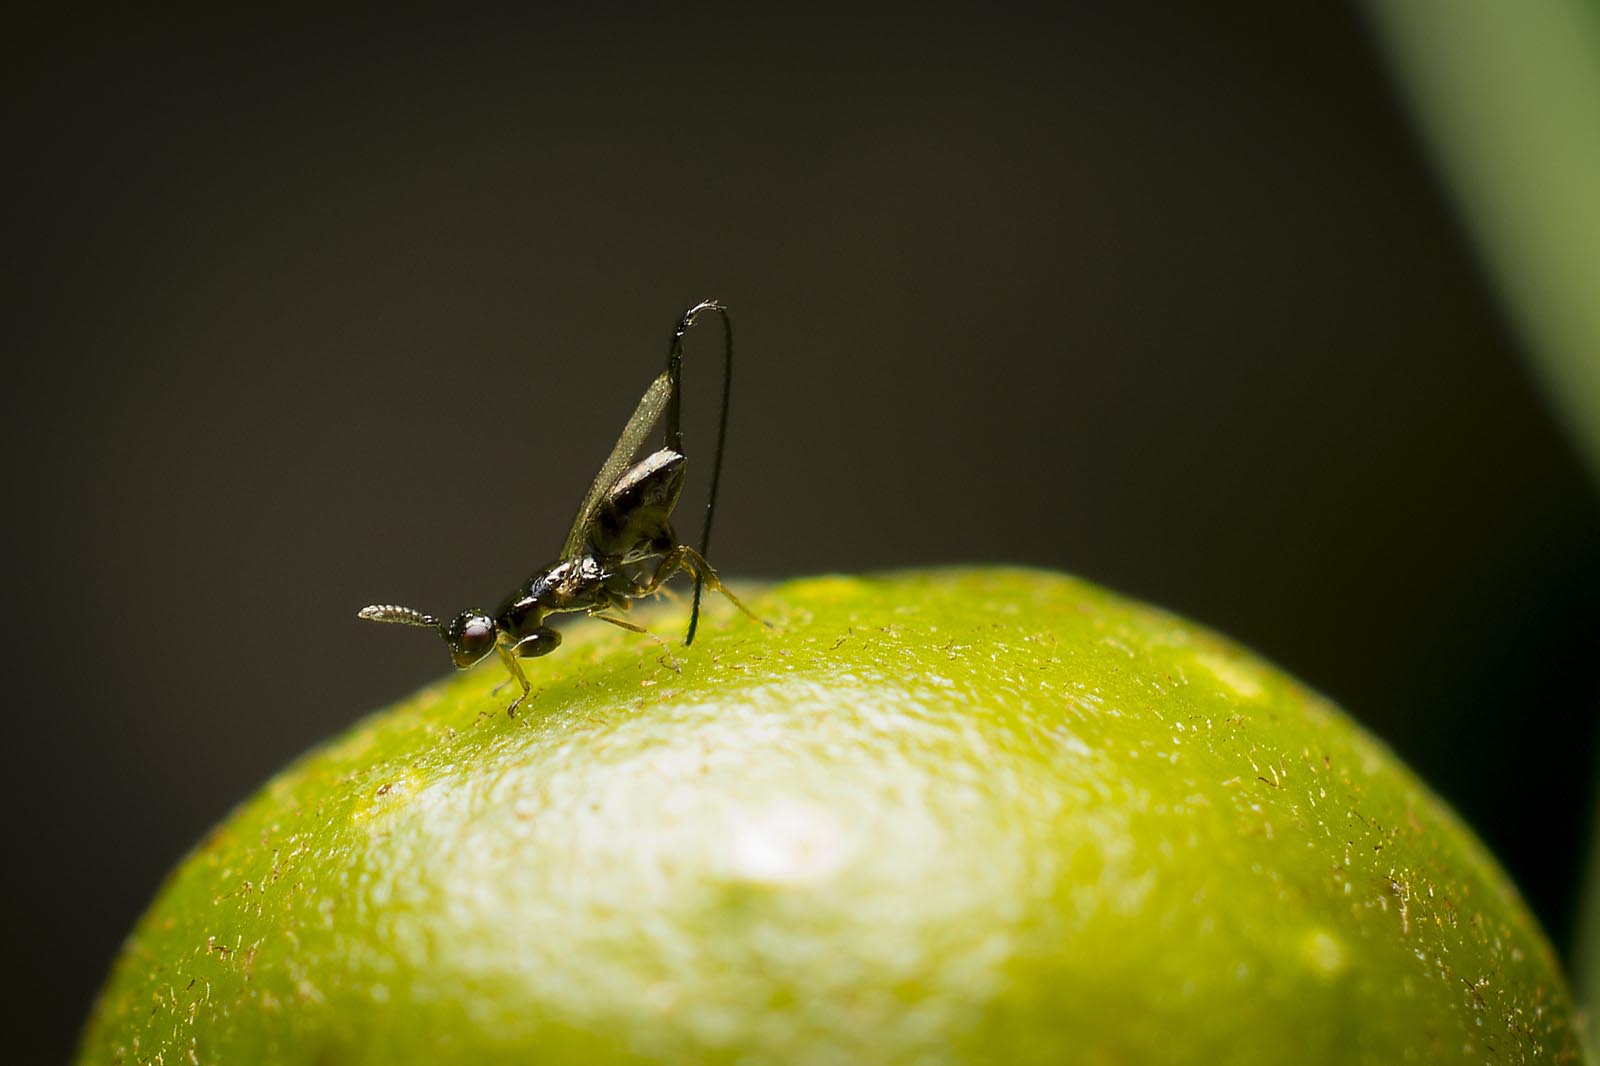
[965, 816]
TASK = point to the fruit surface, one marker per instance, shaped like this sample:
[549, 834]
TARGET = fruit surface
[951, 816]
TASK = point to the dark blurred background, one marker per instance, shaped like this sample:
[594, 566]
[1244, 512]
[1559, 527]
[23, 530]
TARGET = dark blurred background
[315, 312]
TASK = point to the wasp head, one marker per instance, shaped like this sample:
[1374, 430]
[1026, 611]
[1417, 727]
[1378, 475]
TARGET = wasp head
[470, 635]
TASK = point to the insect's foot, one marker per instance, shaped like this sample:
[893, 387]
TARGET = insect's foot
[748, 613]
[666, 659]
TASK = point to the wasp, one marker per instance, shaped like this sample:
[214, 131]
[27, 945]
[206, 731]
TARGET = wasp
[621, 546]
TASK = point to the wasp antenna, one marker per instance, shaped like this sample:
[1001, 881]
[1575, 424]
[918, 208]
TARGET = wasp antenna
[388, 612]
[674, 430]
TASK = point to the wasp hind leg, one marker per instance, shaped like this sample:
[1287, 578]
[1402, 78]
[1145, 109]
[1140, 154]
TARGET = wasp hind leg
[694, 564]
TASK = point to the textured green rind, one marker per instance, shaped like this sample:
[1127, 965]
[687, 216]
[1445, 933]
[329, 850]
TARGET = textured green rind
[959, 816]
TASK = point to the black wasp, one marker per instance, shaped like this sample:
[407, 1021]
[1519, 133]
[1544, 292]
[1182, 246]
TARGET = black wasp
[621, 546]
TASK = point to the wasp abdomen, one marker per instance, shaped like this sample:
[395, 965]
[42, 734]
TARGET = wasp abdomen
[634, 520]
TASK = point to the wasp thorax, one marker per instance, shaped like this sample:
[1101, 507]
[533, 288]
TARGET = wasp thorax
[471, 636]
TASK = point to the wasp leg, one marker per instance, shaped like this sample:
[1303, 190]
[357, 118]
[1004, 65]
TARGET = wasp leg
[666, 649]
[541, 641]
[614, 599]
[671, 595]
[507, 657]
[693, 563]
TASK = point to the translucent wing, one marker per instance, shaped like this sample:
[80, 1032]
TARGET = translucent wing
[644, 419]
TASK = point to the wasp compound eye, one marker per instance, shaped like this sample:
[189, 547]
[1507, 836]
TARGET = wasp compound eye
[471, 636]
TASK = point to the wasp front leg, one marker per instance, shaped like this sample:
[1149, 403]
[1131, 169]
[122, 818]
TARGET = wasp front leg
[508, 657]
[541, 641]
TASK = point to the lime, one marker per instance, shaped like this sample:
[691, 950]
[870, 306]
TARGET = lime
[955, 816]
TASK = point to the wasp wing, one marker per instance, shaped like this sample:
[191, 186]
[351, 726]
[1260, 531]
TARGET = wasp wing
[644, 419]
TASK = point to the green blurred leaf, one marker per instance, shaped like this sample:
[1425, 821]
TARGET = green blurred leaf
[1509, 96]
